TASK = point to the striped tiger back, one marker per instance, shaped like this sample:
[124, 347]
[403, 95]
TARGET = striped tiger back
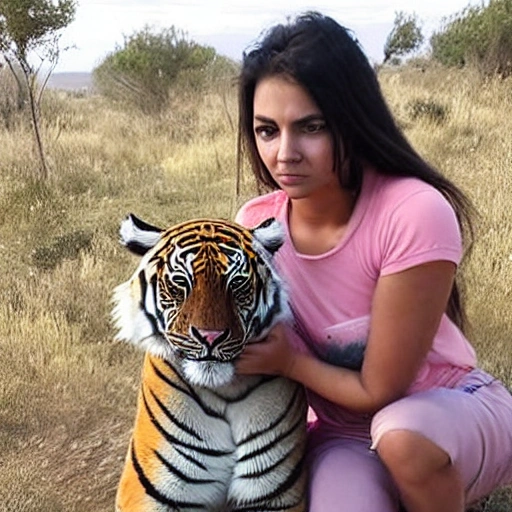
[205, 438]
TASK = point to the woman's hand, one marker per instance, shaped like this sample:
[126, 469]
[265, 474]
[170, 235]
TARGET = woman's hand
[272, 356]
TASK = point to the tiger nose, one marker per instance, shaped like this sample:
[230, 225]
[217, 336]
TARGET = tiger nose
[210, 335]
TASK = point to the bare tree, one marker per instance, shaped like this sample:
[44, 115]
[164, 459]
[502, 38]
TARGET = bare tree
[32, 27]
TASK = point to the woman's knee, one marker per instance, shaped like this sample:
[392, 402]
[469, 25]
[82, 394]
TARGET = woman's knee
[410, 456]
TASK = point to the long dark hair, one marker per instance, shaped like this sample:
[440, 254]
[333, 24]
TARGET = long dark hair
[324, 58]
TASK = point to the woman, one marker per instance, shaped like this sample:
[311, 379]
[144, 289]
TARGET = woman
[373, 238]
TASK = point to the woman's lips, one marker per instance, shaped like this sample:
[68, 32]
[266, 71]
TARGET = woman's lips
[290, 179]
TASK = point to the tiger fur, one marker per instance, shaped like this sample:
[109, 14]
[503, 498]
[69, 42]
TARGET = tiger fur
[205, 438]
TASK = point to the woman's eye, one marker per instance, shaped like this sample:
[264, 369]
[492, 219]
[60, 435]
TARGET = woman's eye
[265, 132]
[314, 127]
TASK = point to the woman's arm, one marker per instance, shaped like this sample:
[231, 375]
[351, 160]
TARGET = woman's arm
[406, 311]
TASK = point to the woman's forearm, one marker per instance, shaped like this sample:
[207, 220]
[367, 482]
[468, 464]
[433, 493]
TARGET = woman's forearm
[341, 386]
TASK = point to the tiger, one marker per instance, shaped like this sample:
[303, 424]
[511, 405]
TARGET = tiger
[204, 437]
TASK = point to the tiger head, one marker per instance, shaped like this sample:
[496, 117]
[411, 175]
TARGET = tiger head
[202, 291]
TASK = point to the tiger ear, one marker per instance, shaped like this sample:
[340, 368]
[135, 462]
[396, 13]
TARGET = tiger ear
[270, 234]
[138, 236]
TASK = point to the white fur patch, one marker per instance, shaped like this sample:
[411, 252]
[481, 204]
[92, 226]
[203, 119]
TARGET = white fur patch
[130, 320]
[208, 374]
[269, 234]
[130, 233]
[133, 325]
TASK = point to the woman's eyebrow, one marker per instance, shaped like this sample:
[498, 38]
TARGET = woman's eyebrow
[263, 119]
[300, 121]
[308, 119]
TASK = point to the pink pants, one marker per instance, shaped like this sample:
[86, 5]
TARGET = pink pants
[472, 423]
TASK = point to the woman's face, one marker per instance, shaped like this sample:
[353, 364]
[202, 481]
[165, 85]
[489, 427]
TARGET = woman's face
[292, 138]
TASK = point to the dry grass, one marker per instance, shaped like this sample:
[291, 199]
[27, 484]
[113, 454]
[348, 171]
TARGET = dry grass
[67, 391]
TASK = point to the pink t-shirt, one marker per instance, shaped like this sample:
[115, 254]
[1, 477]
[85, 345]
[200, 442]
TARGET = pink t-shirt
[397, 223]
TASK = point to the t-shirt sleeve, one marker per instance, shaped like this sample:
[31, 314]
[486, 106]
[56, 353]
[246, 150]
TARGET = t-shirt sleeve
[247, 216]
[255, 211]
[422, 227]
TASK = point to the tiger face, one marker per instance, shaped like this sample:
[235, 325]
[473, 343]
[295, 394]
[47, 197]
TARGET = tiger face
[202, 291]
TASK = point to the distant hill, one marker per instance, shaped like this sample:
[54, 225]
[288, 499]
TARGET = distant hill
[71, 81]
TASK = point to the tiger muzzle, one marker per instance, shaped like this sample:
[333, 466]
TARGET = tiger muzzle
[213, 345]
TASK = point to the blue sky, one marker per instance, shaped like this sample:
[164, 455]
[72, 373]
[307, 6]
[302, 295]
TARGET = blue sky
[231, 25]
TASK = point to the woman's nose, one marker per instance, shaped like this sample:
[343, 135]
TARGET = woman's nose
[289, 149]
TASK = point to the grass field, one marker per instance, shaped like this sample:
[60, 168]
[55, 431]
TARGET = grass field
[67, 390]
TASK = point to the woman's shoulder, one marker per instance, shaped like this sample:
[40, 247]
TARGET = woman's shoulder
[408, 204]
[397, 188]
[395, 194]
[256, 210]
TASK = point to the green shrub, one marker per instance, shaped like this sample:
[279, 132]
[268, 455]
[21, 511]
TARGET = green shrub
[479, 36]
[145, 69]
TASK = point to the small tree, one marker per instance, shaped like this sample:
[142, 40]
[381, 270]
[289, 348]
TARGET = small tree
[28, 26]
[404, 37]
